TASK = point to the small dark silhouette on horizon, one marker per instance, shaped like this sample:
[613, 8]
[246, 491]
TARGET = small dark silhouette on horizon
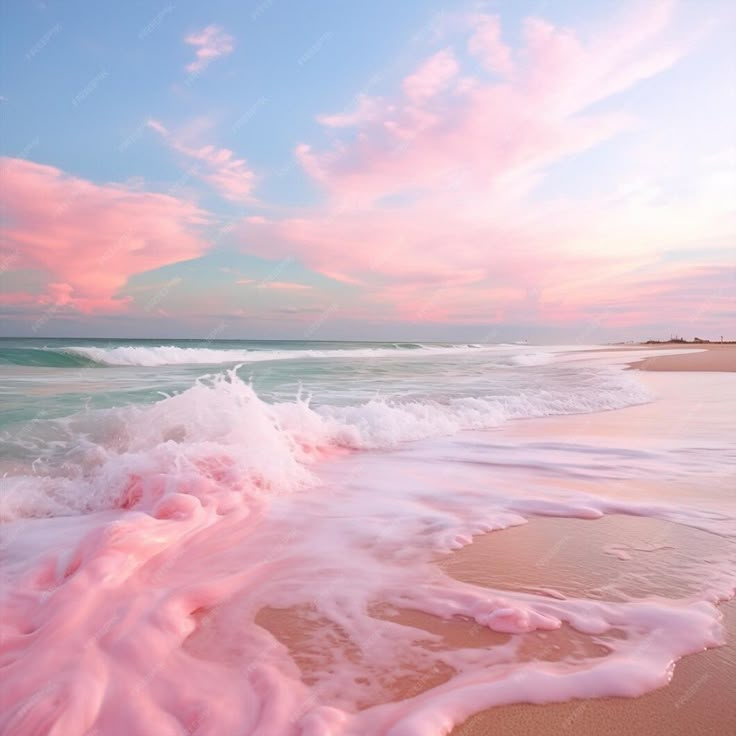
[685, 341]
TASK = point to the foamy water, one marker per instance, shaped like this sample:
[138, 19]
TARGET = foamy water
[147, 543]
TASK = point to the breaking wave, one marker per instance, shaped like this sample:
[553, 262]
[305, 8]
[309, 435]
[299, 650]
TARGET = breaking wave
[96, 456]
[161, 355]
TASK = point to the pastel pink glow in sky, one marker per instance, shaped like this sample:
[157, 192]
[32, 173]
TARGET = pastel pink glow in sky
[228, 175]
[92, 238]
[529, 172]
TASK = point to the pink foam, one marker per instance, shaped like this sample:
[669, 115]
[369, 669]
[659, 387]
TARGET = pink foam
[148, 617]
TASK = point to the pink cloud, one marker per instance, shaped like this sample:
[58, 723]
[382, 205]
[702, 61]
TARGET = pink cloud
[451, 302]
[429, 204]
[698, 297]
[493, 128]
[210, 43]
[366, 108]
[229, 176]
[486, 43]
[18, 298]
[425, 248]
[432, 77]
[285, 286]
[88, 238]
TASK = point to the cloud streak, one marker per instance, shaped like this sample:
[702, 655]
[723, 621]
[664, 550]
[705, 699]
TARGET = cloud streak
[449, 123]
[431, 199]
[210, 43]
[229, 176]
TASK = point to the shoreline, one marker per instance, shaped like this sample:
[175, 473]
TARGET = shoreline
[605, 559]
[544, 483]
[620, 555]
[581, 562]
[710, 358]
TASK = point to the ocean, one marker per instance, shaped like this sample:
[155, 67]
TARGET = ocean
[249, 536]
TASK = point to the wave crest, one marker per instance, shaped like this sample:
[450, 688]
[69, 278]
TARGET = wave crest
[138, 355]
[186, 443]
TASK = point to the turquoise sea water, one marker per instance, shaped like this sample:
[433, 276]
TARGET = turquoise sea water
[54, 377]
[45, 378]
[60, 395]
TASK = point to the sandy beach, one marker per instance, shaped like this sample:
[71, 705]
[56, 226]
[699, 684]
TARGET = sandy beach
[711, 358]
[569, 557]
[697, 701]
[620, 556]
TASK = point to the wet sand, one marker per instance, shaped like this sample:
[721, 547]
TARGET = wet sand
[611, 558]
[589, 558]
[578, 557]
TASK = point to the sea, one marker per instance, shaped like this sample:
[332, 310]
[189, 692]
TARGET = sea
[248, 537]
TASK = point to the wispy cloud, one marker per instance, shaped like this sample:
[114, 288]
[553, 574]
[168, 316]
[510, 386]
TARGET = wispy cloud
[228, 175]
[448, 122]
[432, 77]
[435, 188]
[365, 108]
[277, 285]
[210, 43]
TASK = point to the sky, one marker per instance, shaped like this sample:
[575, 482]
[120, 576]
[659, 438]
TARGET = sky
[480, 171]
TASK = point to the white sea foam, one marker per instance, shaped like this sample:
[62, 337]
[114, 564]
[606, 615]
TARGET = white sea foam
[176, 525]
[103, 449]
[152, 356]
[532, 359]
[136, 355]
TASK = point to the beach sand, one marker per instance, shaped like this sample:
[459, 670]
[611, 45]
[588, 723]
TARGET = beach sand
[712, 357]
[574, 557]
[579, 557]
[571, 557]
[700, 698]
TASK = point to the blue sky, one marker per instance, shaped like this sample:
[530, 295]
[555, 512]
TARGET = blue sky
[260, 99]
[274, 152]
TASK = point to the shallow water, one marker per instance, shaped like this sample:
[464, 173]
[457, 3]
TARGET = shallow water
[239, 558]
[699, 698]
[53, 377]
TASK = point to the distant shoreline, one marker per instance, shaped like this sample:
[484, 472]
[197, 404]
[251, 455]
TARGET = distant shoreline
[695, 341]
[708, 357]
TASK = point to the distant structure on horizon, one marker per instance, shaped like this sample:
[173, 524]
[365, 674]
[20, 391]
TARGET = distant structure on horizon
[685, 341]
